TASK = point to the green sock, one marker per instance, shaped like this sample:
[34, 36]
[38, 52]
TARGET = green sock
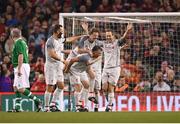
[30, 95]
[18, 100]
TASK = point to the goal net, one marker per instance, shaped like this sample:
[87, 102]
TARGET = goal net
[153, 46]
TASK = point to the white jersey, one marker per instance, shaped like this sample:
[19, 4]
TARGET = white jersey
[73, 54]
[58, 46]
[97, 66]
[112, 53]
[81, 66]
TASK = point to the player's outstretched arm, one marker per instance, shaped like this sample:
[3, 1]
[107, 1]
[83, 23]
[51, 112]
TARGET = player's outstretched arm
[69, 64]
[75, 38]
[129, 28]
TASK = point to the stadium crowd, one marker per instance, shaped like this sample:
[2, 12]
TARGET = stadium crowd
[140, 60]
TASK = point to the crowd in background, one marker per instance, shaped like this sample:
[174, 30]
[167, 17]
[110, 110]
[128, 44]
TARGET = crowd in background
[151, 51]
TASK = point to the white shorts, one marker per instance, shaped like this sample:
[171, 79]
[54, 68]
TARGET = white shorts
[111, 75]
[76, 77]
[53, 73]
[23, 80]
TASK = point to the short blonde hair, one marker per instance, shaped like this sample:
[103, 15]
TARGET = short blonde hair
[15, 33]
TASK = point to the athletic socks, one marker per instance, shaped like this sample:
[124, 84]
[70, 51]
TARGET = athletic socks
[18, 100]
[57, 94]
[77, 96]
[31, 96]
[47, 98]
[110, 98]
[84, 96]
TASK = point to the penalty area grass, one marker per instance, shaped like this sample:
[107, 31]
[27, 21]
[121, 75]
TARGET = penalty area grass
[90, 117]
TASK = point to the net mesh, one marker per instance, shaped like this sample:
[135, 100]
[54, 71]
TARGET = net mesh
[153, 45]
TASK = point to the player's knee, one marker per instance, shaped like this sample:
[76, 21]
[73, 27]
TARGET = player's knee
[60, 85]
[77, 88]
[86, 86]
[111, 88]
[49, 88]
[104, 87]
[21, 90]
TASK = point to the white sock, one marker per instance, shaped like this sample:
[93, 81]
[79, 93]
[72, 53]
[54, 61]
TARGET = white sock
[91, 85]
[110, 98]
[47, 97]
[77, 96]
[84, 96]
[56, 95]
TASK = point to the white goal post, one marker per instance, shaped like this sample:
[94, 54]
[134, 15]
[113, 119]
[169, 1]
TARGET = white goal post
[153, 45]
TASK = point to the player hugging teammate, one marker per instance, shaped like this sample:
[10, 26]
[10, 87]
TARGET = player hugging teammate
[83, 65]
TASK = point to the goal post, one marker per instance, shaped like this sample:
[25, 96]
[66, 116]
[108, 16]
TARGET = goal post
[153, 46]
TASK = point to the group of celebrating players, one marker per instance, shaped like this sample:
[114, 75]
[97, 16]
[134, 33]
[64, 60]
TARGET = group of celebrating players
[83, 67]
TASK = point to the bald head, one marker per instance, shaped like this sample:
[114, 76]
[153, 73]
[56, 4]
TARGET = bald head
[15, 33]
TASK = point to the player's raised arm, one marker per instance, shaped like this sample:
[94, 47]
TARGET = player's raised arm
[75, 38]
[85, 27]
[122, 41]
[129, 28]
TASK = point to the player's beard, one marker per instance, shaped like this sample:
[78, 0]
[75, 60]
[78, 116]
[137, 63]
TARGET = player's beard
[59, 35]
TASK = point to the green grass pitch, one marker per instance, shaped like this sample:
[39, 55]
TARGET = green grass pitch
[90, 117]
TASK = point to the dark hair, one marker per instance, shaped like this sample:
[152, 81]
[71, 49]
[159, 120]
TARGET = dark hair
[56, 28]
[96, 48]
[93, 30]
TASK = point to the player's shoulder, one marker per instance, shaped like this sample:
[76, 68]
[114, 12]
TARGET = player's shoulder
[84, 57]
[50, 39]
[99, 41]
[21, 41]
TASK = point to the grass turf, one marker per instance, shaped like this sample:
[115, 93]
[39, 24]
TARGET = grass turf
[91, 117]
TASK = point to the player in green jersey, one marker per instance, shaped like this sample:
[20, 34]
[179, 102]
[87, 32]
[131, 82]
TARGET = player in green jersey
[21, 71]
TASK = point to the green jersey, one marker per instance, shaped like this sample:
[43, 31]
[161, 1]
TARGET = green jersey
[20, 47]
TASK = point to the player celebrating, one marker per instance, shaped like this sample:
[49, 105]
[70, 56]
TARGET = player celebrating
[111, 70]
[21, 70]
[54, 67]
[85, 45]
[77, 66]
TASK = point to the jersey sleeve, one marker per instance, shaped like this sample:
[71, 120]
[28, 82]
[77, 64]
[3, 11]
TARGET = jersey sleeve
[80, 43]
[84, 58]
[19, 47]
[121, 42]
[100, 43]
[50, 45]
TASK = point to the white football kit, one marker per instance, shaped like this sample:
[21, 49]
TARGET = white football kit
[53, 68]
